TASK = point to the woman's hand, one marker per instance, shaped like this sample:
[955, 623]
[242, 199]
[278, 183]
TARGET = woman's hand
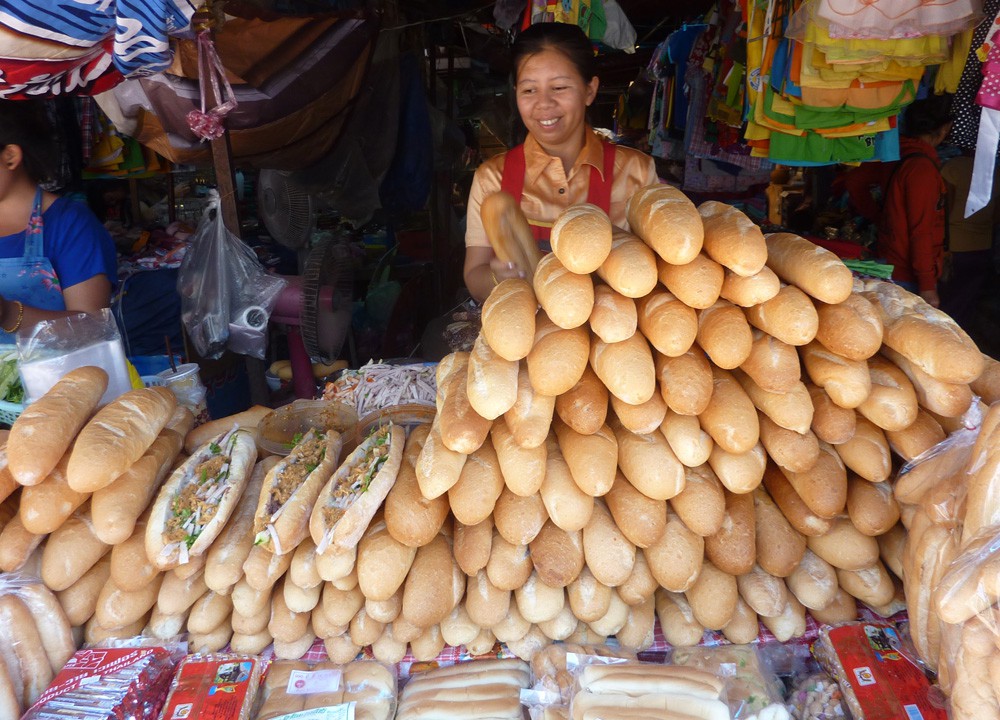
[504, 270]
[484, 271]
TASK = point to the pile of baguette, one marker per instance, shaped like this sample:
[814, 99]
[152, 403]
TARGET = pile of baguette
[951, 557]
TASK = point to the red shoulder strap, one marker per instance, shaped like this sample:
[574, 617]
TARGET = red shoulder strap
[599, 192]
[512, 178]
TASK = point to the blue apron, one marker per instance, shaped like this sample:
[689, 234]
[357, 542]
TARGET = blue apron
[31, 278]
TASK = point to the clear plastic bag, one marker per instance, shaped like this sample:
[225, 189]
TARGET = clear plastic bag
[54, 347]
[226, 294]
[294, 688]
[752, 691]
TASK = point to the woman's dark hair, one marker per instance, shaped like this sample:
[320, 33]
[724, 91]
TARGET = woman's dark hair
[927, 116]
[568, 39]
[25, 123]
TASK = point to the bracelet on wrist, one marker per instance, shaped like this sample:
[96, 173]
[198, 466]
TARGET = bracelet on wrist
[20, 319]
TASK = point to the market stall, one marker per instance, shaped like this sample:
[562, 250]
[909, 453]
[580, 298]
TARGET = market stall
[688, 469]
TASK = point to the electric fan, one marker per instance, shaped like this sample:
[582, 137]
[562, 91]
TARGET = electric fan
[288, 211]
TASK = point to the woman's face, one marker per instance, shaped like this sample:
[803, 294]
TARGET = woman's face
[552, 98]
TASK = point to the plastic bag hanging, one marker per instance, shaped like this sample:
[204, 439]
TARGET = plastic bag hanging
[207, 124]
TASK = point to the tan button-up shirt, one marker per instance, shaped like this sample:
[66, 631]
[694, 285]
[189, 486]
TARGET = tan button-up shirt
[548, 190]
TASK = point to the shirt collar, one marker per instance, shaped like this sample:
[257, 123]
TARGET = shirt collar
[536, 160]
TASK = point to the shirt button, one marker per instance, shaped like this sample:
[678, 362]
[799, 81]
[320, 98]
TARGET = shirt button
[562, 191]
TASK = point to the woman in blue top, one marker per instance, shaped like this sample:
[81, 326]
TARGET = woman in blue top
[56, 258]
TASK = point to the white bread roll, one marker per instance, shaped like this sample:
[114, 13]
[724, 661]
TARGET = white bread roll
[538, 602]
[341, 650]
[474, 496]
[798, 514]
[609, 554]
[130, 568]
[867, 453]
[566, 298]
[561, 626]
[779, 546]
[491, 382]
[641, 585]
[668, 324]
[530, 417]
[744, 626]
[677, 619]
[733, 548]
[796, 452]
[739, 472]
[851, 329]
[813, 582]
[60, 414]
[941, 398]
[508, 318]
[666, 221]
[80, 599]
[702, 502]
[117, 608]
[730, 417]
[686, 382]
[383, 562]
[641, 519]
[512, 628]
[922, 435]
[713, 597]
[462, 428]
[750, 290]
[614, 317]
[987, 385]
[17, 545]
[509, 565]
[558, 358]
[843, 608]
[117, 436]
[365, 631]
[732, 239]
[566, 504]
[690, 443]
[723, 333]
[823, 487]
[521, 468]
[592, 459]
[45, 506]
[250, 602]
[519, 519]
[649, 464]
[772, 364]
[926, 336]
[790, 624]
[410, 517]
[642, 419]
[584, 407]
[341, 606]
[472, 545]
[557, 555]
[847, 382]
[809, 267]
[437, 468]
[626, 368]
[871, 585]
[263, 568]
[675, 559]
[210, 611]
[637, 633]
[630, 267]
[696, 284]
[792, 410]
[844, 546]
[892, 403]
[458, 628]
[890, 548]
[764, 593]
[428, 646]
[831, 422]
[485, 604]
[70, 551]
[581, 238]
[427, 592]
[614, 619]
[789, 316]
[589, 599]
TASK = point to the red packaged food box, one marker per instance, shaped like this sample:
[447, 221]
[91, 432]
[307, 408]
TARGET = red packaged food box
[880, 678]
[214, 687]
[108, 684]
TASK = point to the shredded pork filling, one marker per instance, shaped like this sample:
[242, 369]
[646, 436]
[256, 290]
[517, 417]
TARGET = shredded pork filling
[197, 502]
[358, 479]
[305, 458]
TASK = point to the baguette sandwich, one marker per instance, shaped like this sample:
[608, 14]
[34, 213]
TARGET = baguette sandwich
[351, 498]
[196, 501]
[291, 488]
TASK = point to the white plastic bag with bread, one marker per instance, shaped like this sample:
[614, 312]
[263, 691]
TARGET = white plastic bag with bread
[198, 499]
[752, 690]
[351, 497]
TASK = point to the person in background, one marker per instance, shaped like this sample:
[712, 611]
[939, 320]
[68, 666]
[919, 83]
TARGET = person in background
[970, 244]
[562, 162]
[911, 233]
[56, 258]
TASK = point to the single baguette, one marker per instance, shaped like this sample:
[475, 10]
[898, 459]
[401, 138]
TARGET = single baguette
[667, 221]
[809, 267]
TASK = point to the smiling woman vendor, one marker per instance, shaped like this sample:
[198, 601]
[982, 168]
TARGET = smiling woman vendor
[56, 258]
[562, 162]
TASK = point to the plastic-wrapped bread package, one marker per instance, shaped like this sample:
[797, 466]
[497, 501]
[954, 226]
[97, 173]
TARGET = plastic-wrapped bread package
[223, 686]
[294, 686]
[751, 690]
[553, 683]
[878, 673]
[492, 687]
[117, 679]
